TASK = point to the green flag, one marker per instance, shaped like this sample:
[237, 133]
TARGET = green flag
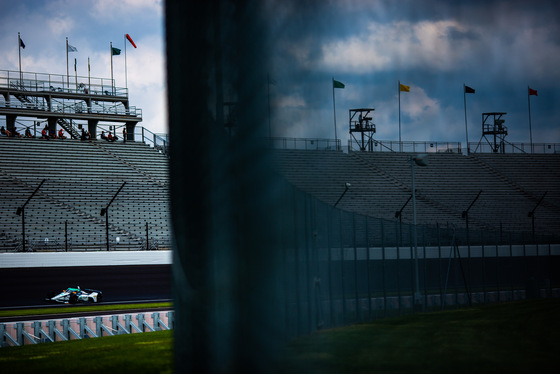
[115, 51]
[337, 84]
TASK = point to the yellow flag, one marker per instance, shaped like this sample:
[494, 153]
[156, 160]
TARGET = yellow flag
[404, 88]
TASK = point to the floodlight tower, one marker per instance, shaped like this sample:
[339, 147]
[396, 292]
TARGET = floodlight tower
[493, 126]
[360, 124]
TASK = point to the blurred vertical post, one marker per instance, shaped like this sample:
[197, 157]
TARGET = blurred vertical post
[223, 191]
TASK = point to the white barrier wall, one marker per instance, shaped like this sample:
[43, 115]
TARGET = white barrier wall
[113, 258]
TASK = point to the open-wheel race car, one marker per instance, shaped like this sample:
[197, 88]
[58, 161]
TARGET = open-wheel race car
[76, 295]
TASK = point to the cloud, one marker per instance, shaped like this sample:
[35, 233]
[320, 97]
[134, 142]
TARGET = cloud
[407, 45]
[110, 9]
[290, 101]
[60, 25]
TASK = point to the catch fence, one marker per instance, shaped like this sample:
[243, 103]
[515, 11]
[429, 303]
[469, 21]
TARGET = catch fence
[342, 268]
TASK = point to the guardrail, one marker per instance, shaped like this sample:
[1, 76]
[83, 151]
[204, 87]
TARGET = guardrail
[536, 148]
[75, 108]
[410, 146]
[40, 82]
[35, 332]
[304, 143]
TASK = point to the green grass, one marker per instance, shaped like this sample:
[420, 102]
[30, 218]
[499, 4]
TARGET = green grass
[518, 337]
[136, 353]
[81, 308]
[515, 337]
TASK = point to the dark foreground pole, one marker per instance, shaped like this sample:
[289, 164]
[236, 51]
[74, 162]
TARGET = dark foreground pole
[224, 195]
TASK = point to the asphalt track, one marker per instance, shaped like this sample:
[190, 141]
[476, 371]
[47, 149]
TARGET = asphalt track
[29, 286]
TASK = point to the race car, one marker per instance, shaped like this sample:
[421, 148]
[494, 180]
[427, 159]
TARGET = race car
[73, 295]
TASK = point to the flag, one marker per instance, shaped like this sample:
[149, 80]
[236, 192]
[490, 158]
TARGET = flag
[532, 92]
[130, 40]
[21, 43]
[115, 51]
[71, 48]
[404, 88]
[469, 89]
[337, 84]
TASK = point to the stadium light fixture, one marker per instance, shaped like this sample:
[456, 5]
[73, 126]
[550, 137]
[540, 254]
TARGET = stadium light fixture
[20, 211]
[420, 160]
[105, 212]
[346, 187]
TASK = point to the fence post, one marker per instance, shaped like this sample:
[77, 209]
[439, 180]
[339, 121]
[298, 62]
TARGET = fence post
[66, 236]
[147, 241]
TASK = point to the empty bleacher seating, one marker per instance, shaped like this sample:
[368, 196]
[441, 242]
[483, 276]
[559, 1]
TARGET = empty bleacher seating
[81, 178]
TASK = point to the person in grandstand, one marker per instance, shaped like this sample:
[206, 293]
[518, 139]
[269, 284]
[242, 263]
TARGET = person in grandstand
[28, 133]
[103, 136]
[45, 133]
[4, 132]
[61, 134]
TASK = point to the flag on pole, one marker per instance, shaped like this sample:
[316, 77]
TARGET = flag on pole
[21, 43]
[469, 89]
[337, 84]
[533, 92]
[115, 51]
[130, 40]
[404, 88]
[71, 48]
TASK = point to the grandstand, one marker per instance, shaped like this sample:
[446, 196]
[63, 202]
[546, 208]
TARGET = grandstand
[81, 177]
[511, 185]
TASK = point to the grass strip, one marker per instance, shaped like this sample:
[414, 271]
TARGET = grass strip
[512, 337]
[82, 308]
[150, 352]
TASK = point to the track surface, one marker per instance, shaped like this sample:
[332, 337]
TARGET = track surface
[29, 286]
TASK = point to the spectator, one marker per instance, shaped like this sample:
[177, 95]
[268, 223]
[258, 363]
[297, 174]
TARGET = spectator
[88, 135]
[124, 134]
[16, 134]
[111, 138]
[45, 133]
[84, 135]
[28, 133]
[4, 132]
[103, 136]
[61, 134]
[52, 134]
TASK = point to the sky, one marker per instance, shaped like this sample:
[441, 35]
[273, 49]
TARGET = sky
[499, 48]
[90, 27]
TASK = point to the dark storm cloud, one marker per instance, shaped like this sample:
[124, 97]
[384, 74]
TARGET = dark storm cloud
[497, 47]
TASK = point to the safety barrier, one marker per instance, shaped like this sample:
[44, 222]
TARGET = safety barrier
[35, 332]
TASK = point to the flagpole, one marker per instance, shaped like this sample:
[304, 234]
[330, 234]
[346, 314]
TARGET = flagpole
[399, 90]
[19, 53]
[268, 87]
[530, 131]
[88, 76]
[111, 50]
[466, 127]
[334, 111]
[76, 73]
[125, 67]
[67, 68]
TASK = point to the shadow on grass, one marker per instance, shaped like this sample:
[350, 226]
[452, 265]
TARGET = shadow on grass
[510, 337]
